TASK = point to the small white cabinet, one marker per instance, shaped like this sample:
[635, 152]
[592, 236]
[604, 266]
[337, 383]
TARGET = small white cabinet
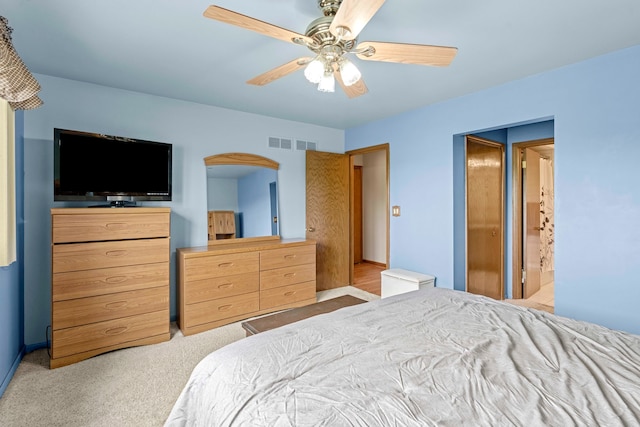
[398, 281]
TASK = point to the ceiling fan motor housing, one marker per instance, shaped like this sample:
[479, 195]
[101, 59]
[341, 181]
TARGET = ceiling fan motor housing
[319, 32]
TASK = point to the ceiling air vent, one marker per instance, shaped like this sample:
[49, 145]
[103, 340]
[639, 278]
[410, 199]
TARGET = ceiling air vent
[305, 145]
[274, 142]
[283, 143]
[286, 143]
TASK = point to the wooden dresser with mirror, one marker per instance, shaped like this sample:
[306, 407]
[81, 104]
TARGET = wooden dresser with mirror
[252, 271]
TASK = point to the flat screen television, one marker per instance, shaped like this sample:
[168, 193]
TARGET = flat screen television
[96, 167]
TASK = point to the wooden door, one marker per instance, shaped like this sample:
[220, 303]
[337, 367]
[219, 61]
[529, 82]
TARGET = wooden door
[357, 214]
[531, 213]
[485, 212]
[327, 214]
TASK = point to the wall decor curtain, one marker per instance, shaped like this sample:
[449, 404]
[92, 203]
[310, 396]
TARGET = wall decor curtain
[18, 91]
[546, 215]
[17, 85]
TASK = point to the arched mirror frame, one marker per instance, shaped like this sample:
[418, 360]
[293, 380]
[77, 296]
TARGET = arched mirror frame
[242, 159]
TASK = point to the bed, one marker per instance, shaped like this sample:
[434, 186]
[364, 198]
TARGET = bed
[433, 357]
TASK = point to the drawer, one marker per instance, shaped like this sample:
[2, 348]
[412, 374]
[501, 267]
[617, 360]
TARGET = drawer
[79, 339]
[111, 226]
[287, 276]
[220, 265]
[83, 311]
[95, 255]
[87, 283]
[221, 287]
[283, 295]
[286, 257]
[210, 311]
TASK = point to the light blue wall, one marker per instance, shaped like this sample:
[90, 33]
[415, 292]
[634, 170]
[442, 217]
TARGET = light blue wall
[594, 105]
[11, 280]
[222, 194]
[195, 130]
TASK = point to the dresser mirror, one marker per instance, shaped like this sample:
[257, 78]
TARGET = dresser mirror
[242, 197]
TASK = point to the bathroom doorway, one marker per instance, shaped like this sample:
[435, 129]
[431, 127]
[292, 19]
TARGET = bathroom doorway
[533, 221]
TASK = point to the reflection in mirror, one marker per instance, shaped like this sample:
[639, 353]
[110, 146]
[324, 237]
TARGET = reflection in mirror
[241, 201]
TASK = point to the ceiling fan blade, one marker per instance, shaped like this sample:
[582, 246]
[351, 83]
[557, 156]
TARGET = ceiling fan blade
[405, 53]
[280, 71]
[353, 91]
[224, 15]
[352, 16]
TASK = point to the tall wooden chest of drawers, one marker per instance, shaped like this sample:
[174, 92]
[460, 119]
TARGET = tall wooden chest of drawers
[225, 283]
[110, 280]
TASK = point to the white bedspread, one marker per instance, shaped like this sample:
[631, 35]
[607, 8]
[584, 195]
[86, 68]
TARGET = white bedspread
[432, 357]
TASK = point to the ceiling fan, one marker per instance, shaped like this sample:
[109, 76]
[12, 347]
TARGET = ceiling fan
[332, 38]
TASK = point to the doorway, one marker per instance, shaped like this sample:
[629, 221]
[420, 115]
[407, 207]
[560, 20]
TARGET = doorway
[330, 216]
[533, 221]
[369, 216]
[273, 197]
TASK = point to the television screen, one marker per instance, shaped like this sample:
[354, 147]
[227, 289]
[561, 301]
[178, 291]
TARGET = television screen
[89, 166]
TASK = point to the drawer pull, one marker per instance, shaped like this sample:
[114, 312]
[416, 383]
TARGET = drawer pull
[115, 305]
[225, 286]
[115, 279]
[225, 264]
[225, 307]
[117, 226]
[288, 294]
[289, 256]
[116, 330]
[290, 275]
[116, 253]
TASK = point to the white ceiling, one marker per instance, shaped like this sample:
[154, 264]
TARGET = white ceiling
[167, 48]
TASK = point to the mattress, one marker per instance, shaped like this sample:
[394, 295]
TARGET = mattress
[432, 357]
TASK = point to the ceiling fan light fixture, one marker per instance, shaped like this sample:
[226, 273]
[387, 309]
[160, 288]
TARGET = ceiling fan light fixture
[327, 83]
[349, 72]
[314, 71]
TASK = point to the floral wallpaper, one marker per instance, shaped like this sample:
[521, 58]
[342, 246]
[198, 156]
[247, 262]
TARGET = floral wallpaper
[546, 215]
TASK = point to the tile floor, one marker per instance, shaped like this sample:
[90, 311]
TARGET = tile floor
[544, 295]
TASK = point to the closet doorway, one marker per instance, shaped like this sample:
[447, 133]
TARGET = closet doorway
[533, 221]
[369, 216]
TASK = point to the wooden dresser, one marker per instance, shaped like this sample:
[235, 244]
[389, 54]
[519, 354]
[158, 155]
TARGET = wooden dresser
[228, 282]
[110, 280]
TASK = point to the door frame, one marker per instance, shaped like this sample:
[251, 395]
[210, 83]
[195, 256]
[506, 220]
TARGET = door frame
[516, 179]
[357, 223]
[380, 147]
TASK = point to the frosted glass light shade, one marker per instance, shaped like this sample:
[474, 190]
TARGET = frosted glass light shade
[349, 72]
[327, 83]
[314, 71]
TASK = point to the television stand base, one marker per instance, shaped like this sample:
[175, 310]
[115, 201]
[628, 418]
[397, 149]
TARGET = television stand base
[116, 204]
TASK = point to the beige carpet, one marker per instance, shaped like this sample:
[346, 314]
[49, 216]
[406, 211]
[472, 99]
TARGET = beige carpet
[131, 387]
